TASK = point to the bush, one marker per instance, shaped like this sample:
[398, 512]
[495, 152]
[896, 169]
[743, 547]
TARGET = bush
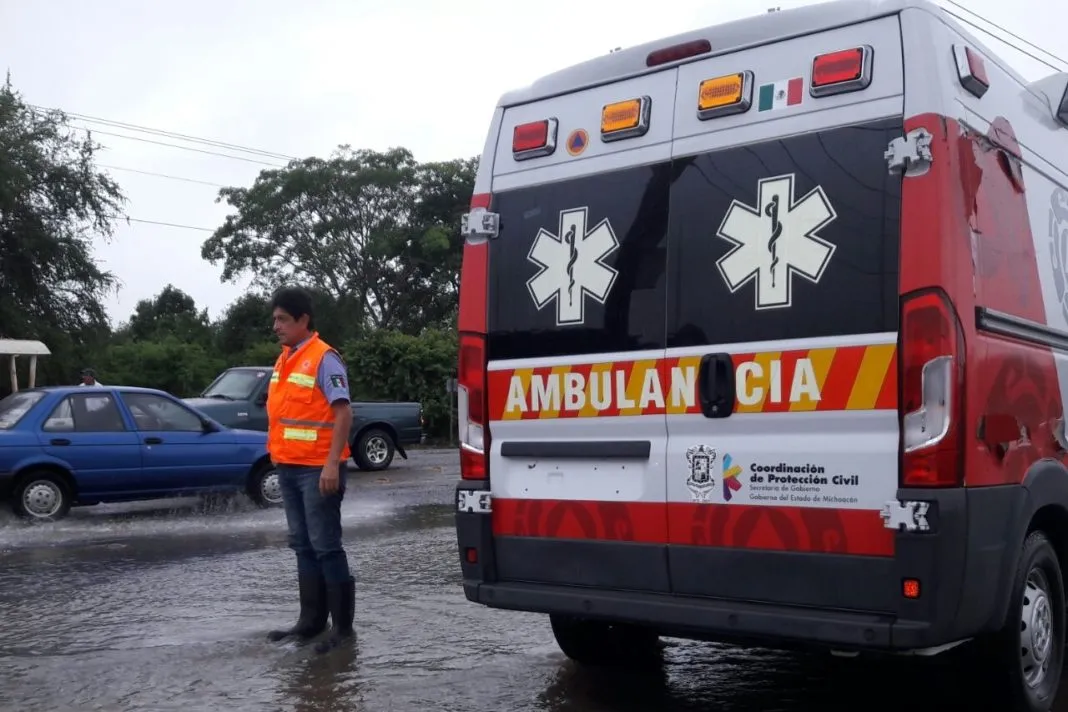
[390, 365]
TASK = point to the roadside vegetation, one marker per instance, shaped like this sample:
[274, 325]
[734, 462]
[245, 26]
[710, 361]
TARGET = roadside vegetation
[374, 234]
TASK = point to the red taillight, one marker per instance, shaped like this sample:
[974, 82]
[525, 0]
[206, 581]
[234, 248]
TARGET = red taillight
[971, 70]
[471, 397]
[842, 71]
[674, 53]
[471, 364]
[932, 391]
[537, 138]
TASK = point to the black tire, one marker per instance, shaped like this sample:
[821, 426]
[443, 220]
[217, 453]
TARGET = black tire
[373, 450]
[42, 496]
[597, 643]
[263, 486]
[1024, 659]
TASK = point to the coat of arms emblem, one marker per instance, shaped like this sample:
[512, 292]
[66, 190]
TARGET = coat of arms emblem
[701, 459]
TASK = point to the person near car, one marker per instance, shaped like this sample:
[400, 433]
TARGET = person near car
[308, 427]
[89, 378]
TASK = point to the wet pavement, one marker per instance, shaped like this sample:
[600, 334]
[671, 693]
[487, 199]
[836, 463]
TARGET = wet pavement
[164, 606]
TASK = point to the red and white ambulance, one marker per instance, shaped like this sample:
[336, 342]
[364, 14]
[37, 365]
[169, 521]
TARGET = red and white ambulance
[764, 338]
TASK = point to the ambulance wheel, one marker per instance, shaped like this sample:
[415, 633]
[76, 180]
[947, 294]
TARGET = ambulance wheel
[591, 642]
[1026, 656]
[373, 450]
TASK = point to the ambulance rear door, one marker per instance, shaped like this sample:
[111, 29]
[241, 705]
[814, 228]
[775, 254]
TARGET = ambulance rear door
[783, 310]
[576, 337]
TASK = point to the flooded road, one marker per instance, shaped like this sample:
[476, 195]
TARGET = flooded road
[165, 607]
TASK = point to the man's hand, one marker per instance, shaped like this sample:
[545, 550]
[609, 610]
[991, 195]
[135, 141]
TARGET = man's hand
[329, 481]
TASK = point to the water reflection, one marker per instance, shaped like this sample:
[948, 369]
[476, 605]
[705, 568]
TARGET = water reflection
[323, 683]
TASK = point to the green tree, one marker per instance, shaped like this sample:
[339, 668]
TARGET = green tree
[244, 324]
[377, 231]
[170, 364]
[171, 312]
[53, 204]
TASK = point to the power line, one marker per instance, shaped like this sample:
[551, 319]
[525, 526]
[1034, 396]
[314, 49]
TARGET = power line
[1004, 41]
[163, 175]
[174, 145]
[1015, 36]
[164, 224]
[171, 134]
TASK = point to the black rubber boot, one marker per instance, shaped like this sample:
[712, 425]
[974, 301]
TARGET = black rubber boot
[341, 599]
[313, 611]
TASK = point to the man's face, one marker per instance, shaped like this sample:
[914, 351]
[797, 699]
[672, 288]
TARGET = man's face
[289, 331]
[87, 379]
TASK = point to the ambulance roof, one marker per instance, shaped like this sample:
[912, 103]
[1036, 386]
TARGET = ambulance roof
[725, 37]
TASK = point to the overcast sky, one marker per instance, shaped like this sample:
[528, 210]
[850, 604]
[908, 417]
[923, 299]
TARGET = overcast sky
[299, 78]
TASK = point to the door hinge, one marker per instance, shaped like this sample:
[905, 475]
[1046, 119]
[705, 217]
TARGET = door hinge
[907, 516]
[911, 154]
[480, 224]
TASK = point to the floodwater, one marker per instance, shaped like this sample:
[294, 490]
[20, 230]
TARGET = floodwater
[160, 607]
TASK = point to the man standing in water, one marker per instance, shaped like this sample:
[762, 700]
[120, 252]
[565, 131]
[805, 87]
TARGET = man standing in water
[309, 418]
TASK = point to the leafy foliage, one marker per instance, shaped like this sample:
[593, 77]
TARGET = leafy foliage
[53, 204]
[391, 365]
[378, 230]
[374, 235]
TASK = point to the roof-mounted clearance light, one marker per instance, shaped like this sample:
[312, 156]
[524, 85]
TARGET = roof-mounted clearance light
[674, 53]
[534, 139]
[625, 119]
[971, 69]
[842, 71]
[722, 96]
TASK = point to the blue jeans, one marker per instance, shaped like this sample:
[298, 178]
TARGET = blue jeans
[314, 522]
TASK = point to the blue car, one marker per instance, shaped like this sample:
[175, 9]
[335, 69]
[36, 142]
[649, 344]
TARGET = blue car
[70, 446]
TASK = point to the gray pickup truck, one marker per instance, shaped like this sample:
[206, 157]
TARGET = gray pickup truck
[237, 398]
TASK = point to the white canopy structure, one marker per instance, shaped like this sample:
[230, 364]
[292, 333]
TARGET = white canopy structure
[13, 348]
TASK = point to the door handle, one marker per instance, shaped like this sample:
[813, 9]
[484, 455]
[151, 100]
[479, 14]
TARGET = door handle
[153, 441]
[59, 441]
[715, 385]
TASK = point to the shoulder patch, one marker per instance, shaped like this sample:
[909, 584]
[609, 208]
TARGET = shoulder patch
[337, 380]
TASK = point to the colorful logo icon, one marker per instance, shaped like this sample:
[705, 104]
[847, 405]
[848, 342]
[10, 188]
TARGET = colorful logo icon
[577, 141]
[731, 483]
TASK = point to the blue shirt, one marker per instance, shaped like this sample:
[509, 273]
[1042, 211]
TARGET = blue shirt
[332, 379]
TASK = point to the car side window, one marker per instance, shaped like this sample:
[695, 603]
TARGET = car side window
[152, 412]
[90, 413]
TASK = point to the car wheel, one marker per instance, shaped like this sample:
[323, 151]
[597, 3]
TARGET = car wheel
[265, 487]
[1025, 658]
[591, 642]
[42, 497]
[374, 450]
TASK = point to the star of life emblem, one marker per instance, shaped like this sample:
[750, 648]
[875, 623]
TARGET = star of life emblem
[1058, 245]
[700, 483]
[572, 266]
[776, 240]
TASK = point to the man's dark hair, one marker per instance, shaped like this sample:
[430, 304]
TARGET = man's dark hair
[295, 301]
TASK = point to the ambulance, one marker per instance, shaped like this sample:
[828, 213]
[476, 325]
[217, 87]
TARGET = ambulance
[763, 339]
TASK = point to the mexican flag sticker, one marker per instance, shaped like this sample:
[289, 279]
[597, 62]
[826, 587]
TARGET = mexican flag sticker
[780, 94]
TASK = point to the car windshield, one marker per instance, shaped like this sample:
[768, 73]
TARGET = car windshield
[235, 385]
[15, 406]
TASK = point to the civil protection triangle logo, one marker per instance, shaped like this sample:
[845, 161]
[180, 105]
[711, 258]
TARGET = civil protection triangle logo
[775, 241]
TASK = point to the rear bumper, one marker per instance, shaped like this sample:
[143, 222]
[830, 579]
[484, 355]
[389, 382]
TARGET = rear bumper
[964, 563]
[724, 620]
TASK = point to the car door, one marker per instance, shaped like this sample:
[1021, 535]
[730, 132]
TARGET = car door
[88, 433]
[177, 453]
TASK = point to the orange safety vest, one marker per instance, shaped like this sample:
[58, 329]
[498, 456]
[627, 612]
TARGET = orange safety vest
[300, 419]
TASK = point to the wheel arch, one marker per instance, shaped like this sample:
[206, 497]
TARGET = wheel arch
[375, 425]
[1044, 507]
[64, 474]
